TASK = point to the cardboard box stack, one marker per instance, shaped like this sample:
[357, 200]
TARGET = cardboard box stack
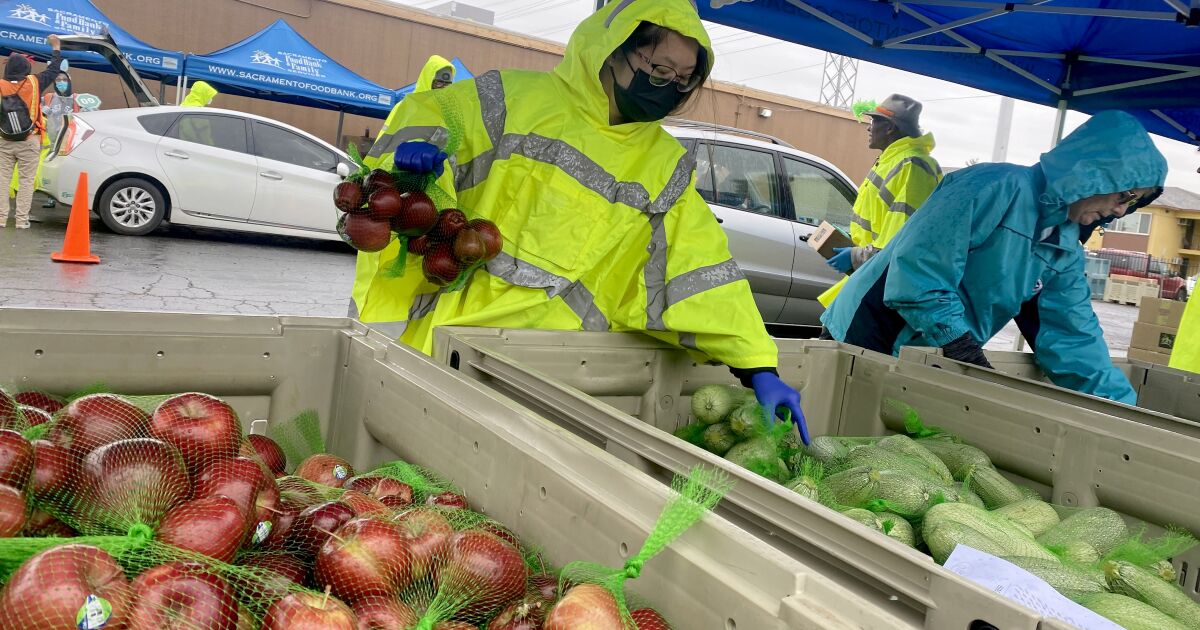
[1155, 329]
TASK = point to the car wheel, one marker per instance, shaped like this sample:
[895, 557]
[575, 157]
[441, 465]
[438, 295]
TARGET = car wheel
[132, 207]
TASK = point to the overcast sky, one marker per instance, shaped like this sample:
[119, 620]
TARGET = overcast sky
[962, 119]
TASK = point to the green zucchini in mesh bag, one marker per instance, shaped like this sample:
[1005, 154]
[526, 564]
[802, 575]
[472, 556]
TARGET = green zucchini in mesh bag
[905, 445]
[748, 420]
[957, 457]
[808, 479]
[718, 438]
[826, 449]
[883, 459]
[1100, 527]
[761, 454]
[1073, 581]
[884, 490]
[966, 495]
[1036, 515]
[1138, 583]
[713, 403]
[865, 517]
[597, 598]
[898, 527]
[1154, 554]
[994, 488]
[1076, 552]
[1130, 613]
[947, 525]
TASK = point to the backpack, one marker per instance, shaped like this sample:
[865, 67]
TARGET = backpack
[17, 118]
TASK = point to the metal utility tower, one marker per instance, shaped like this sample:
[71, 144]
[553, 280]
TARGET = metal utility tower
[839, 80]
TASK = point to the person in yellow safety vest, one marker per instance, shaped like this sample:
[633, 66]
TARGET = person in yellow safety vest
[1186, 354]
[201, 95]
[603, 228]
[900, 181]
[437, 74]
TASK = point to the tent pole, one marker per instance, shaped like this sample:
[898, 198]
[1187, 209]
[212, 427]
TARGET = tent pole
[1060, 121]
[179, 89]
[341, 119]
[162, 90]
[1003, 130]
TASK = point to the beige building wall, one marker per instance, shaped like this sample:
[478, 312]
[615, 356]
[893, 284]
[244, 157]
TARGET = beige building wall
[1166, 235]
[388, 43]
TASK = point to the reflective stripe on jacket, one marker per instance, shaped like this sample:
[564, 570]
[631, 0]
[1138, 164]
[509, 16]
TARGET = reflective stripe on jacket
[902, 179]
[603, 228]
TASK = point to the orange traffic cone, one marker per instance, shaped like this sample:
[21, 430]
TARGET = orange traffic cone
[77, 243]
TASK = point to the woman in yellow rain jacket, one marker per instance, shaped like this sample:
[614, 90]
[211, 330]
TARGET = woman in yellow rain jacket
[603, 228]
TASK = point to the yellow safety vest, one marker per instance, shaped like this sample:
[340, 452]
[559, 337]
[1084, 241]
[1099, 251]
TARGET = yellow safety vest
[1186, 354]
[902, 179]
[603, 227]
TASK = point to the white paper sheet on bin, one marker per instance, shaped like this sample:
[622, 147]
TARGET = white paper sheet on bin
[1023, 587]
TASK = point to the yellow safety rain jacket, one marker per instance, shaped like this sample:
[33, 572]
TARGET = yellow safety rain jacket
[902, 179]
[381, 152]
[1186, 354]
[603, 227]
[200, 95]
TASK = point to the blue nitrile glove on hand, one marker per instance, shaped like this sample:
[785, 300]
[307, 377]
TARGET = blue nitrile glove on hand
[773, 393]
[841, 259]
[420, 157]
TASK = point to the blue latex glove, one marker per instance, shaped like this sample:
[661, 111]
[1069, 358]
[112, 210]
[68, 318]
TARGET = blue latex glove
[420, 157]
[772, 393]
[841, 259]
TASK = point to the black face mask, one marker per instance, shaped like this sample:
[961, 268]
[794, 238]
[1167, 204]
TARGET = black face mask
[643, 101]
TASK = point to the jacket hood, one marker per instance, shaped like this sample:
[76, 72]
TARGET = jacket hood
[1108, 154]
[429, 72]
[923, 144]
[17, 68]
[601, 33]
[200, 96]
[70, 84]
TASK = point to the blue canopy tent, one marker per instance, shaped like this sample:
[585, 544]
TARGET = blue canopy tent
[460, 74]
[1142, 56]
[278, 64]
[25, 25]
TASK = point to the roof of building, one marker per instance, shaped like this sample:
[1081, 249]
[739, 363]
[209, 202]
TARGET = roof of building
[1178, 199]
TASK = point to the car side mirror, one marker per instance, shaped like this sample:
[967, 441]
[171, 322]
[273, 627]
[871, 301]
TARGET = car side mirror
[343, 170]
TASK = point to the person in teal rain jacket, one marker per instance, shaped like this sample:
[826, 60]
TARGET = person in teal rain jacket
[995, 236]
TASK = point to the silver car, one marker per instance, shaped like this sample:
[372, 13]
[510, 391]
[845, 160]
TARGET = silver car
[770, 197]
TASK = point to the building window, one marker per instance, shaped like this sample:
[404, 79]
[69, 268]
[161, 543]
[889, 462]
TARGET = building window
[1138, 223]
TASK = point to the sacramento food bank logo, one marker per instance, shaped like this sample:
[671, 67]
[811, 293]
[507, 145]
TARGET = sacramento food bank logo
[263, 57]
[26, 12]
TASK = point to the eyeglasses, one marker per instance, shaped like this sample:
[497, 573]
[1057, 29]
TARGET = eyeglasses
[662, 76]
[1133, 201]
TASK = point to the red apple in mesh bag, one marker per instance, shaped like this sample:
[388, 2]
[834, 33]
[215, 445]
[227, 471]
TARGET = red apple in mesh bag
[308, 611]
[269, 452]
[585, 607]
[12, 511]
[16, 459]
[376, 179]
[450, 222]
[325, 469]
[365, 558]
[213, 526]
[131, 481]
[527, 613]
[301, 491]
[55, 471]
[365, 505]
[59, 587]
[420, 245]
[281, 530]
[649, 619]
[447, 500]
[314, 525]
[10, 416]
[469, 247]
[244, 481]
[545, 586]
[246, 621]
[42, 524]
[501, 532]
[439, 264]
[181, 595]
[35, 416]
[454, 625]
[204, 428]
[384, 614]
[364, 232]
[92, 421]
[417, 215]
[384, 204]
[46, 402]
[427, 535]
[491, 236]
[276, 574]
[382, 487]
[486, 570]
[348, 197]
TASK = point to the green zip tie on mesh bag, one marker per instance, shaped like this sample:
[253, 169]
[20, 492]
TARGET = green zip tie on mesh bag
[694, 496]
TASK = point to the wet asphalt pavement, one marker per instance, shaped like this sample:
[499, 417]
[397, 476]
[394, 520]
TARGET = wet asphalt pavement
[214, 271]
[178, 269]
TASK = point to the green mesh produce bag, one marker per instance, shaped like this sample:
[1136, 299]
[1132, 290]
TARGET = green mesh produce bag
[595, 594]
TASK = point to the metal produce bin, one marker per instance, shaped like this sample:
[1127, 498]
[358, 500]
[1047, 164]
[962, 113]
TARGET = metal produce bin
[378, 401]
[627, 392]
